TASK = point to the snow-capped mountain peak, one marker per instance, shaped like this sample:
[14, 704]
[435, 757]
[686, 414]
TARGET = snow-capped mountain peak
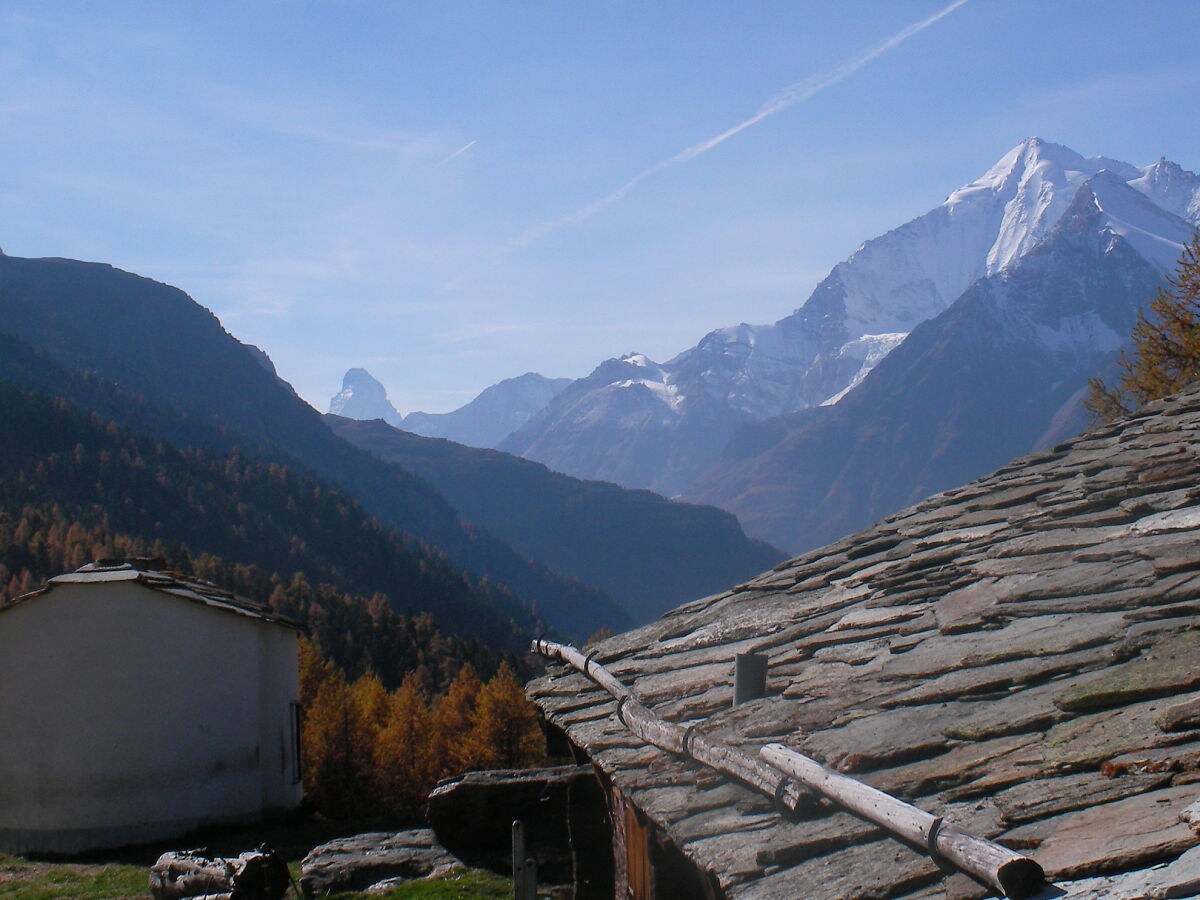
[1156, 233]
[1046, 176]
[1172, 187]
[606, 425]
[491, 416]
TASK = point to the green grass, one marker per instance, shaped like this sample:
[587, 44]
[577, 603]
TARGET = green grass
[473, 883]
[22, 879]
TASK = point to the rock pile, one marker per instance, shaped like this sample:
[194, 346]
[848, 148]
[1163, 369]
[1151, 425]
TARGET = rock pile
[373, 862]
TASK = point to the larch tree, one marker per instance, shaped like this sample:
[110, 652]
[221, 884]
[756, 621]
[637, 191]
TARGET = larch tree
[506, 732]
[331, 732]
[453, 719]
[1166, 346]
[402, 754]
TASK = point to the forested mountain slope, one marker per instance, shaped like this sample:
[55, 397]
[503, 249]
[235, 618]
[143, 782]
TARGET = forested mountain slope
[186, 381]
[77, 487]
[646, 552]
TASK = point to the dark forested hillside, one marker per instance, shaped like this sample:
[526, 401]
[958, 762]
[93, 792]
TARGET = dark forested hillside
[668, 552]
[76, 488]
[183, 379]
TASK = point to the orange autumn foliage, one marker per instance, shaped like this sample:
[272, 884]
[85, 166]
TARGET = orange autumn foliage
[505, 732]
[371, 752]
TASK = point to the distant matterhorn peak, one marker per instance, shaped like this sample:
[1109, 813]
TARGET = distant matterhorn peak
[362, 397]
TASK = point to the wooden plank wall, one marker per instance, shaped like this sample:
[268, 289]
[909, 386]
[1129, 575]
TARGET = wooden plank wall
[634, 870]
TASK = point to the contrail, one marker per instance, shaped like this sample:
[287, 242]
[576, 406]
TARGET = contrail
[465, 147]
[789, 96]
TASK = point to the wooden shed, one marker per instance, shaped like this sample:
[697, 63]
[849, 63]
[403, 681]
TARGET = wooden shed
[1020, 656]
[136, 703]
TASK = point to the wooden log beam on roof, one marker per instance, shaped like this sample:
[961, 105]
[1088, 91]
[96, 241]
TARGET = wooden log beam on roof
[998, 867]
[683, 741]
[781, 772]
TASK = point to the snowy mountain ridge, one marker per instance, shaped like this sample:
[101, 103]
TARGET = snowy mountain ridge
[1000, 373]
[858, 314]
[491, 416]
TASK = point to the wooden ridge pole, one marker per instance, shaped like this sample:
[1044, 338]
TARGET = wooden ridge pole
[1003, 870]
[680, 740]
[789, 777]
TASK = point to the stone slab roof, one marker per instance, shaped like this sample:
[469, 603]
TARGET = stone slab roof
[1021, 654]
[154, 574]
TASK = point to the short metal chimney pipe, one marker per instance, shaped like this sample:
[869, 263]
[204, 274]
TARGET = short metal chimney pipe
[749, 677]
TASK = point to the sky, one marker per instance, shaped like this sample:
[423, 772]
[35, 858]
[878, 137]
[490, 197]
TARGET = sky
[449, 193]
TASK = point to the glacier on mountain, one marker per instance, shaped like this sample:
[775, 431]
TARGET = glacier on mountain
[1000, 373]
[686, 408]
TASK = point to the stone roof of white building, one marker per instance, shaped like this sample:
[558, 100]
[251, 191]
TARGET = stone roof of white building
[154, 574]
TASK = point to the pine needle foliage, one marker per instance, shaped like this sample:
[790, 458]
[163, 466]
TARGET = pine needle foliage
[1166, 346]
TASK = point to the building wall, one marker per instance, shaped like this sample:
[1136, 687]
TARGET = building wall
[129, 715]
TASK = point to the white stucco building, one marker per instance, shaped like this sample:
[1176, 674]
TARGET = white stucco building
[136, 703]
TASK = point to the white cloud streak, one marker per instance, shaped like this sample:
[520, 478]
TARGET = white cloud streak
[464, 148]
[791, 95]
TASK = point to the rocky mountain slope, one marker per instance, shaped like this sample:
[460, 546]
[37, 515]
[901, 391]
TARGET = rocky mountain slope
[996, 375]
[644, 424]
[644, 551]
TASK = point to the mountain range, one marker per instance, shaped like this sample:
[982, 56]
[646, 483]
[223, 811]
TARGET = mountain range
[758, 419]
[484, 422]
[148, 358]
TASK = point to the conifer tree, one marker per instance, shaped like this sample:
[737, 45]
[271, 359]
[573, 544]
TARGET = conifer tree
[315, 672]
[453, 719]
[506, 732]
[1166, 346]
[402, 757]
[331, 778]
[372, 702]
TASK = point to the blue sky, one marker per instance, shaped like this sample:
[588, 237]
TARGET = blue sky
[427, 190]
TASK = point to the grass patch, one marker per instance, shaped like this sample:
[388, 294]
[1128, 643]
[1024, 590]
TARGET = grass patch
[124, 874]
[22, 879]
[474, 883]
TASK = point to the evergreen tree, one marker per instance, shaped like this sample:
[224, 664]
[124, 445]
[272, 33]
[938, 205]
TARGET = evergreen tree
[330, 733]
[1166, 346]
